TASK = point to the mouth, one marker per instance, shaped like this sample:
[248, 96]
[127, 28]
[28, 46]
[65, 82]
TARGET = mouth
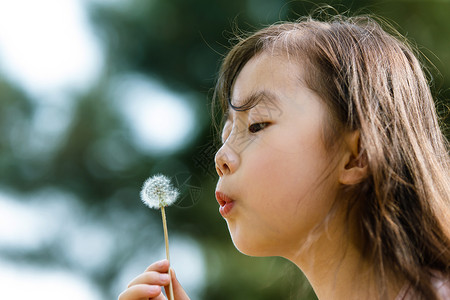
[225, 202]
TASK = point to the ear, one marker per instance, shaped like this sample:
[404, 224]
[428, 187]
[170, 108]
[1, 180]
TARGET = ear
[354, 165]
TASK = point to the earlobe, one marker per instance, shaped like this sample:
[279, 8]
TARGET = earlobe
[354, 167]
[353, 175]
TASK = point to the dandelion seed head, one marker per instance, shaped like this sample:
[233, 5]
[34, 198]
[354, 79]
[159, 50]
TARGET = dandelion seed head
[157, 192]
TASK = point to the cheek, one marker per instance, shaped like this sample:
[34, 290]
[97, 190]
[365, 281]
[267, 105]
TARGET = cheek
[299, 177]
[277, 179]
[290, 162]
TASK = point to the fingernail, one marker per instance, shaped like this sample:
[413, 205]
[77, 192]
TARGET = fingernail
[164, 277]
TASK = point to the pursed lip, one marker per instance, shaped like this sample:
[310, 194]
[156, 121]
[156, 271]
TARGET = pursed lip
[222, 199]
[226, 203]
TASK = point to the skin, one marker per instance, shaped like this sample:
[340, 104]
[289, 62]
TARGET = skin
[283, 182]
[148, 285]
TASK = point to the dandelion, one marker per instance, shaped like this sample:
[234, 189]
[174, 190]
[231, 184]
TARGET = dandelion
[157, 192]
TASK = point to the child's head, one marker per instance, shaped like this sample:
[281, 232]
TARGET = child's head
[376, 95]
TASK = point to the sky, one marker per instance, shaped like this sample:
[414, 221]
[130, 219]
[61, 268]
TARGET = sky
[46, 46]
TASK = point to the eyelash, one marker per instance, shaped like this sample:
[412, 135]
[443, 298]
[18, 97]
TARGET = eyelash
[255, 127]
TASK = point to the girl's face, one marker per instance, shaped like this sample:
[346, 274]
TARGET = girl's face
[276, 179]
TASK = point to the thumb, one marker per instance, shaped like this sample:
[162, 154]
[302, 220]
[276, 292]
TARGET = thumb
[178, 291]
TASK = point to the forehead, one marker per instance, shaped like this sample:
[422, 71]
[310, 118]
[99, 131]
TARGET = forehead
[264, 80]
[270, 72]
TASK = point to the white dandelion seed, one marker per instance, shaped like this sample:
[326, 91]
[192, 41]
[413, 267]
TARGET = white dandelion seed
[158, 192]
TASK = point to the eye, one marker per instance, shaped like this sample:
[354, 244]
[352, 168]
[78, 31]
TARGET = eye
[255, 127]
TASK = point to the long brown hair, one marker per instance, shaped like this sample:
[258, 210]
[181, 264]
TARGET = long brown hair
[372, 81]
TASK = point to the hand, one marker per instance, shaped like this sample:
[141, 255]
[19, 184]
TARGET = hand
[148, 284]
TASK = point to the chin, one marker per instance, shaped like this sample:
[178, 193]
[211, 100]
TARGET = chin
[244, 249]
[250, 247]
[252, 251]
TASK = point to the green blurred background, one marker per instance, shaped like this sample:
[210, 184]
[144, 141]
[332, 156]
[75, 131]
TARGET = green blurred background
[77, 142]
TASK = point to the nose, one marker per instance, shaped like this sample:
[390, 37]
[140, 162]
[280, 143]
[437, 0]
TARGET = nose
[227, 160]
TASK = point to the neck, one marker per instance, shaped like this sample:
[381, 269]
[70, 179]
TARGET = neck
[335, 269]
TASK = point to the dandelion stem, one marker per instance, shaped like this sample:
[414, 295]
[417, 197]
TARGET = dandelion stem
[166, 239]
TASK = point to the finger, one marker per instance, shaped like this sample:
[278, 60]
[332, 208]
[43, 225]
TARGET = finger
[151, 278]
[161, 266]
[159, 297]
[141, 291]
[178, 291]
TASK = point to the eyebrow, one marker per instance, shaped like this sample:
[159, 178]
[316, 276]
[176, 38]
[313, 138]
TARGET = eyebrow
[252, 101]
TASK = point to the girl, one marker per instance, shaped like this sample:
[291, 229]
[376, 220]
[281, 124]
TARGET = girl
[332, 157]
